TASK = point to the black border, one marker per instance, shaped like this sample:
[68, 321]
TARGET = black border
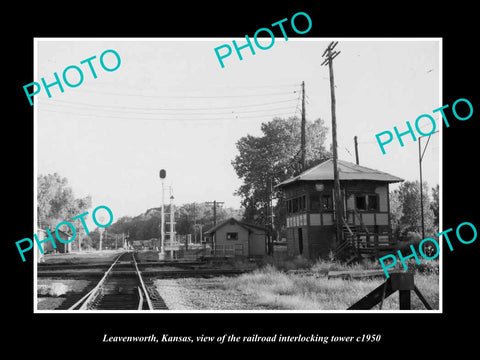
[83, 333]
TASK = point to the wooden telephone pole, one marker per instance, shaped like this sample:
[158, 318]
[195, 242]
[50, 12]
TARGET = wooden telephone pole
[329, 56]
[215, 203]
[420, 158]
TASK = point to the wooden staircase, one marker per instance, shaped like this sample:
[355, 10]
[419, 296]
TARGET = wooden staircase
[348, 249]
[358, 243]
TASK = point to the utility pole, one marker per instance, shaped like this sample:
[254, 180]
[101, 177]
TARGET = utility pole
[272, 215]
[101, 234]
[215, 203]
[420, 158]
[338, 203]
[163, 174]
[162, 223]
[356, 149]
[194, 224]
[302, 141]
[172, 220]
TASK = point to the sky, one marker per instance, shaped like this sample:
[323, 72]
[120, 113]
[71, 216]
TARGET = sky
[171, 106]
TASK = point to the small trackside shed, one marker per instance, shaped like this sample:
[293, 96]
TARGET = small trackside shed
[311, 222]
[47, 246]
[233, 237]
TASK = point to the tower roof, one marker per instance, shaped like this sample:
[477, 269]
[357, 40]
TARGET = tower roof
[346, 171]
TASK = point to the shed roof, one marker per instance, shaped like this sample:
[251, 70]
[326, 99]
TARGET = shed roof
[240, 223]
[66, 234]
[346, 171]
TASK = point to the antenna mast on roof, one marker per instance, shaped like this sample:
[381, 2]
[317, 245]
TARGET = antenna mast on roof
[356, 150]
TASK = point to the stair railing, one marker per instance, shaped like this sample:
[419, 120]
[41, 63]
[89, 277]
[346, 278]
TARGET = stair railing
[355, 212]
[349, 241]
[363, 226]
[348, 227]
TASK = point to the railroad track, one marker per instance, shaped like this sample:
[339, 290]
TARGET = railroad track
[122, 287]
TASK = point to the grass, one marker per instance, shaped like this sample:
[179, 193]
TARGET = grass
[278, 290]
[271, 286]
[324, 265]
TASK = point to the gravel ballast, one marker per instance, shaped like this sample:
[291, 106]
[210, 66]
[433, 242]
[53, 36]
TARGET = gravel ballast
[203, 294]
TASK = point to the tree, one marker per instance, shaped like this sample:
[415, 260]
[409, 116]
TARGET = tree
[92, 240]
[267, 160]
[56, 203]
[122, 225]
[406, 210]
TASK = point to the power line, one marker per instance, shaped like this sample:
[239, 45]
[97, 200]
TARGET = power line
[213, 116]
[171, 119]
[167, 109]
[221, 88]
[187, 96]
[243, 111]
[147, 112]
[298, 102]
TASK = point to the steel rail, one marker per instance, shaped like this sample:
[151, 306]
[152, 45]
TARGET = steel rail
[140, 299]
[147, 297]
[80, 301]
[97, 288]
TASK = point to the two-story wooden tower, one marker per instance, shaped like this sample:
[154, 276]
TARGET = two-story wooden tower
[311, 222]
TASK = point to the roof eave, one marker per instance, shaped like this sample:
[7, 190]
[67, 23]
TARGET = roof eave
[292, 181]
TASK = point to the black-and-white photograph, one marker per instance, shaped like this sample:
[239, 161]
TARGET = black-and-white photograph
[237, 175]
